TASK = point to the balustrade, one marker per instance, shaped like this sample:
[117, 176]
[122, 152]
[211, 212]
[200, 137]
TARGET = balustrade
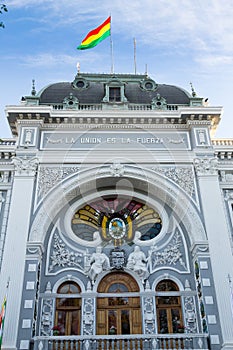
[120, 342]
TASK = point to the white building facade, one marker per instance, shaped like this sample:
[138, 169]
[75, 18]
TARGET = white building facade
[116, 218]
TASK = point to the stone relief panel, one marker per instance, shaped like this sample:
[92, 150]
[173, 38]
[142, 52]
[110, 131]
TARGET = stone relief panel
[48, 177]
[149, 315]
[46, 319]
[183, 177]
[88, 316]
[172, 255]
[61, 256]
[190, 315]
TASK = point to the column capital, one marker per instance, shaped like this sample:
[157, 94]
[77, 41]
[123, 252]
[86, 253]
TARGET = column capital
[25, 166]
[206, 166]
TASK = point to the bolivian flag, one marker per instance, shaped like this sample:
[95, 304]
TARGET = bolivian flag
[2, 319]
[96, 35]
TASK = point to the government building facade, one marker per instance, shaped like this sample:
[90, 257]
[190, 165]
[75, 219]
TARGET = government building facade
[116, 218]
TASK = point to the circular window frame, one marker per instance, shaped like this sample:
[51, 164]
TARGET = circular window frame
[84, 83]
[152, 83]
[89, 198]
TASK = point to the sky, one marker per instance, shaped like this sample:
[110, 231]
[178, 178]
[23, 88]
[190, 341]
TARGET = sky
[177, 42]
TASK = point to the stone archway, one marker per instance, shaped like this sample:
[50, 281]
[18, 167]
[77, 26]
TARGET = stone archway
[156, 187]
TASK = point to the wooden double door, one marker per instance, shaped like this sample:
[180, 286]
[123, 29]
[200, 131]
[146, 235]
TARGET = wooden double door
[117, 313]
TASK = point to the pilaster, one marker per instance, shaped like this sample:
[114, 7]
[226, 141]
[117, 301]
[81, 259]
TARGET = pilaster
[15, 246]
[218, 239]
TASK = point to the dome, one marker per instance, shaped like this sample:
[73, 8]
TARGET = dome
[93, 89]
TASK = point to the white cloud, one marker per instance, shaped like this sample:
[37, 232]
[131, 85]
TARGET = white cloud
[197, 25]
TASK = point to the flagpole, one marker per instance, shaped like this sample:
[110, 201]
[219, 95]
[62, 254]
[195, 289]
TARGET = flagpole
[112, 62]
[135, 64]
[111, 48]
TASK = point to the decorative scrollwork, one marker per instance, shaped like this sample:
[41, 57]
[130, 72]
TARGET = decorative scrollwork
[63, 257]
[49, 177]
[183, 177]
[171, 255]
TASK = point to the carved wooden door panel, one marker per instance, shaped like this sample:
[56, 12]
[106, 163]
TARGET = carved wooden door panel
[117, 313]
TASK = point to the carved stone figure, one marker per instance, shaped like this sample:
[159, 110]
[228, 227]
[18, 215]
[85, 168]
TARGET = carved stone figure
[137, 262]
[99, 262]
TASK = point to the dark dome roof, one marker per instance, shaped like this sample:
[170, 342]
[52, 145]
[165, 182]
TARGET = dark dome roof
[93, 90]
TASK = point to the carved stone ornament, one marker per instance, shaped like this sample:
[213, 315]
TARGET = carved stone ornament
[25, 165]
[46, 320]
[99, 262]
[62, 257]
[117, 258]
[190, 315]
[49, 177]
[137, 262]
[172, 255]
[117, 169]
[149, 312]
[228, 195]
[206, 166]
[88, 316]
[183, 177]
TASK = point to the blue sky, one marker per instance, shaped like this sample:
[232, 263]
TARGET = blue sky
[180, 41]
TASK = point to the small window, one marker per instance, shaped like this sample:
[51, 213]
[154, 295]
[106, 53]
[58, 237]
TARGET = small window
[169, 311]
[114, 94]
[68, 310]
[80, 84]
[167, 286]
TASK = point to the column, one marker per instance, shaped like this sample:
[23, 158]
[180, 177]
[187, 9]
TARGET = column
[15, 245]
[219, 244]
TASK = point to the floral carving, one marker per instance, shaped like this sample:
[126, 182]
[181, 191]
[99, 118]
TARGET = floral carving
[206, 166]
[63, 257]
[49, 177]
[117, 169]
[183, 177]
[25, 165]
[171, 255]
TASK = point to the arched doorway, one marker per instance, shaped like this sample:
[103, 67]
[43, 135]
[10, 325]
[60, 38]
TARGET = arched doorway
[68, 310]
[168, 305]
[118, 313]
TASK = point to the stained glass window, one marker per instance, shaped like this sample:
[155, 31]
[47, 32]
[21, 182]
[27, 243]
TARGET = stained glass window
[114, 218]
